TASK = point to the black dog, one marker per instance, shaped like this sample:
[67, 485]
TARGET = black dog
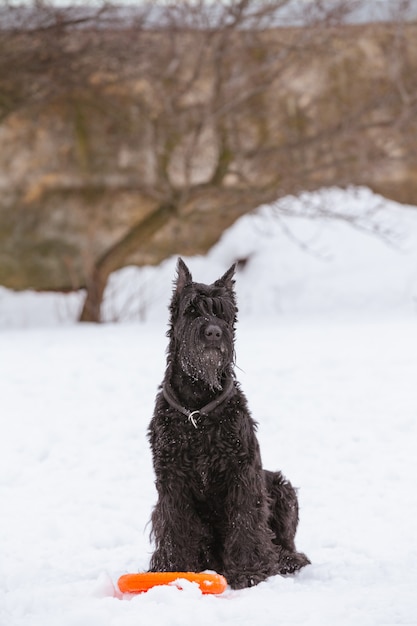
[217, 508]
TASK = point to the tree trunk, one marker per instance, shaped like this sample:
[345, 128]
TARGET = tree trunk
[115, 258]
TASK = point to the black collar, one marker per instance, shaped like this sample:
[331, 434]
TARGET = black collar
[205, 410]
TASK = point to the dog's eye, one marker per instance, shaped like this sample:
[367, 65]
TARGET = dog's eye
[192, 309]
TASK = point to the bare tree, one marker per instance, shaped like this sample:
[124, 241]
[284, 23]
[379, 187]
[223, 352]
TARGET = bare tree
[194, 90]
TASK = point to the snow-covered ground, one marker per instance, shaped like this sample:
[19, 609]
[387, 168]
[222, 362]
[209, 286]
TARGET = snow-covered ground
[327, 351]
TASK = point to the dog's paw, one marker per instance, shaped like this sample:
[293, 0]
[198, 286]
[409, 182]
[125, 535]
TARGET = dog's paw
[243, 580]
[291, 562]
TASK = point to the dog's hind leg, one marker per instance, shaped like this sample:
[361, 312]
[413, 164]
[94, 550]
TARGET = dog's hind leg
[283, 520]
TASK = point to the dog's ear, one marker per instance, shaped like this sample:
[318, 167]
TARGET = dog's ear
[183, 276]
[227, 278]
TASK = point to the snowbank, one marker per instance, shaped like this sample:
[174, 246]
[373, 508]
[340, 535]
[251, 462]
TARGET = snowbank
[295, 266]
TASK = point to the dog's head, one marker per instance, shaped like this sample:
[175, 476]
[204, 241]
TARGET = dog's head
[202, 326]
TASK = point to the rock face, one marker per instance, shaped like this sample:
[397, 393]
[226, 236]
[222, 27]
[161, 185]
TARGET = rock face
[209, 136]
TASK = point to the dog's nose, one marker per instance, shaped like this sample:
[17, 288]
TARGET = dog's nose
[213, 332]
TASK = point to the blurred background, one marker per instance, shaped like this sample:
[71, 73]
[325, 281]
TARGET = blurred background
[134, 132]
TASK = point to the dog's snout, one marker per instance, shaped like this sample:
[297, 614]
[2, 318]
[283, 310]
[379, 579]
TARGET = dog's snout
[213, 332]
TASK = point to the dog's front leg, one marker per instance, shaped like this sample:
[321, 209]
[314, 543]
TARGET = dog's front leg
[249, 554]
[179, 534]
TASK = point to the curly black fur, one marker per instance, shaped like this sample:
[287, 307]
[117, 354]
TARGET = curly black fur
[217, 508]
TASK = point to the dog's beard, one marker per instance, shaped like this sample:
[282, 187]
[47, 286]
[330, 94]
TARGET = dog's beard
[203, 362]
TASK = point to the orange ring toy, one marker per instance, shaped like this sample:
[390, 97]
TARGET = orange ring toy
[138, 583]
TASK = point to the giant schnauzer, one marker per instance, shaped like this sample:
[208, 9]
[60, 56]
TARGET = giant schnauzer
[217, 508]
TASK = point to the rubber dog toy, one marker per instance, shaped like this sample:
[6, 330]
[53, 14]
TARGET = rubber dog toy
[139, 583]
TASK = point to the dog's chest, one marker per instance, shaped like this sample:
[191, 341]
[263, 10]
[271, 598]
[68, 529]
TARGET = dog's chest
[214, 456]
[203, 472]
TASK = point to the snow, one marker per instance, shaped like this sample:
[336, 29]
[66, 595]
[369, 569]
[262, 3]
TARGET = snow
[328, 364]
